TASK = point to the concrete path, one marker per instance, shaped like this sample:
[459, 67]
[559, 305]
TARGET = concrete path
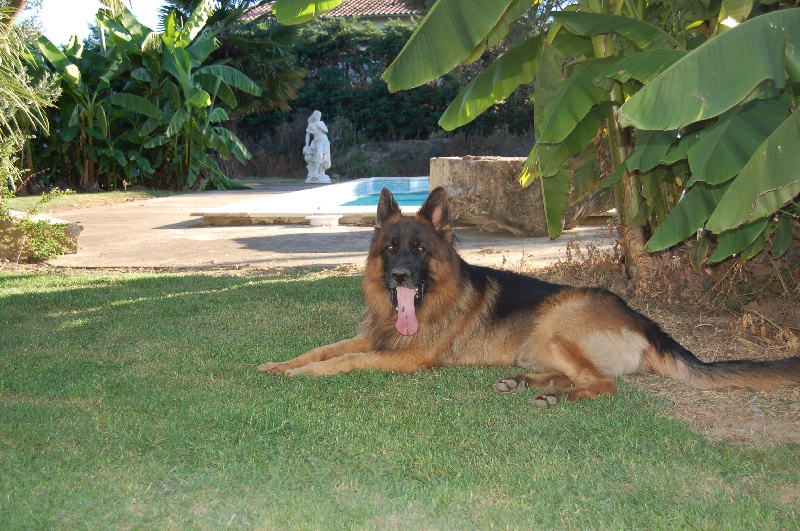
[161, 233]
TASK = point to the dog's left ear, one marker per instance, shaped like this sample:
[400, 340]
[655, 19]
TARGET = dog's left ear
[387, 207]
[437, 210]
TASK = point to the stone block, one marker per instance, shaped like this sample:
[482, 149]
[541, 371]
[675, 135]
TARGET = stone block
[485, 191]
[13, 241]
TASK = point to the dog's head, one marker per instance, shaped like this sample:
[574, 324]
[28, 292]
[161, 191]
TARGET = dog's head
[406, 246]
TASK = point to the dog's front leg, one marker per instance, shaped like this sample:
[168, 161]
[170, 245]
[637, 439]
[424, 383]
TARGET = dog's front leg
[395, 361]
[356, 344]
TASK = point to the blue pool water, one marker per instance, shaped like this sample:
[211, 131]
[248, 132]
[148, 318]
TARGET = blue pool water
[403, 199]
[407, 192]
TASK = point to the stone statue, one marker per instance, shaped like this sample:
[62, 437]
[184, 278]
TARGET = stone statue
[317, 152]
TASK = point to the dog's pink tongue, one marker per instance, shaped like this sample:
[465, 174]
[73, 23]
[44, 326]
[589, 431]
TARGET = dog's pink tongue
[406, 315]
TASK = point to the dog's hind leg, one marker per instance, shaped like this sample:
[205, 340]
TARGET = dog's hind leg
[348, 346]
[572, 375]
[591, 390]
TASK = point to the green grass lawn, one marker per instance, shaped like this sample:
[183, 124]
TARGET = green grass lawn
[73, 201]
[132, 401]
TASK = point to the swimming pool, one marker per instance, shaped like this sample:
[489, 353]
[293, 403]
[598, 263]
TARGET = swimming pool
[408, 199]
[408, 191]
[352, 201]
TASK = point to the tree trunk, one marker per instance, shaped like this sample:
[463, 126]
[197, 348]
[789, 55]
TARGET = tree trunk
[640, 265]
[16, 7]
[88, 178]
[88, 182]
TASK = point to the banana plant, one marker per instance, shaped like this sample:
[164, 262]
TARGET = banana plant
[633, 88]
[145, 106]
[84, 105]
[744, 180]
[193, 98]
[93, 113]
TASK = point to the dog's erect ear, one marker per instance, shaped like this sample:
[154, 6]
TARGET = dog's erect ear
[387, 207]
[436, 209]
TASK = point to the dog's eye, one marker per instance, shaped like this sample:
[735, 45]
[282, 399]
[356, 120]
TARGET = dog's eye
[420, 249]
[390, 247]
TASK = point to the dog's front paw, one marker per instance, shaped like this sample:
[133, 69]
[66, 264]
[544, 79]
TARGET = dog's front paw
[512, 384]
[550, 398]
[273, 368]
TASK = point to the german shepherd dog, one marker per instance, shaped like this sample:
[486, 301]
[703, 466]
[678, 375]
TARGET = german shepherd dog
[426, 307]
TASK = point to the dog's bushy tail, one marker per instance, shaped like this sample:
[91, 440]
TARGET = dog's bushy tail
[672, 360]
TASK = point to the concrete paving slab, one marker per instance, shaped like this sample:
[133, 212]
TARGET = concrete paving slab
[162, 233]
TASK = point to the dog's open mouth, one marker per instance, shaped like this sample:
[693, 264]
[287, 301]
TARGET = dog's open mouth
[405, 301]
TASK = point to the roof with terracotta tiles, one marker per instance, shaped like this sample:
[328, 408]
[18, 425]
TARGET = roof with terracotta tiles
[372, 8]
[352, 8]
[257, 11]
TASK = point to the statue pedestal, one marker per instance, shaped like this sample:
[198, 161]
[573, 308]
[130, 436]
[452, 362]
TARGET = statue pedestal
[318, 220]
[318, 179]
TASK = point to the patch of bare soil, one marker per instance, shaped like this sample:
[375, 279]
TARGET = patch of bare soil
[722, 314]
[741, 415]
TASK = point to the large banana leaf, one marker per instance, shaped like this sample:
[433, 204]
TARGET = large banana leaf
[515, 9]
[585, 174]
[783, 237]
[724, 148]
[734, 241]
[156, 141]
[555, 197]
[201, 48]
[178, 63]
[170, 34]
[737, 10]
[688, 216]
[769, 180]
[642, 66]
[723, 72]
[640, 34]
[678, 151]
[180, 117]
[651, 147]
[552, 156]
[445, 37]
[575, 97]
[574, 45]
[129, 21]
[232, 77]
[196, 21]
[115, 154]
[218, 114]
[547, 81]
[200, 99]
[555, 188]
[136, 104]
[117, 31]
[289, 12]
[149, 126]
[62, 65]
[235, 145]
[517, 66]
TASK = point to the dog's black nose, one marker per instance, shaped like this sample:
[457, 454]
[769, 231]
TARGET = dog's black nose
[400, 275]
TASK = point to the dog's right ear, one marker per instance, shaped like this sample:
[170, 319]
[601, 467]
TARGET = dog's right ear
[436, 209]
[387, 207]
